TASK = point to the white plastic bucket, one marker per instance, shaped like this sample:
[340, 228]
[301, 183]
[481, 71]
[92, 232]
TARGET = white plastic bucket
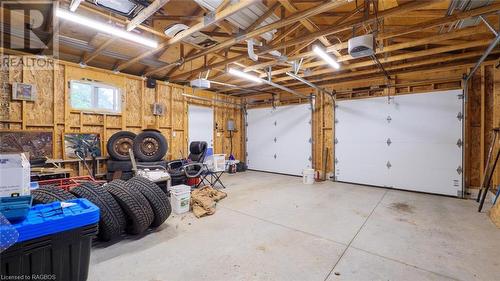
[180, 202]
[308, 176]
[180, 196]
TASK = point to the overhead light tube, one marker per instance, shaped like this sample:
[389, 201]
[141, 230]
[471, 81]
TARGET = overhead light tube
[106, 28]
[244, 75]
[326, 57]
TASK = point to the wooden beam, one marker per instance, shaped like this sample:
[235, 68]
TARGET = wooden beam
[276, 25]
[335, 29]
[88, 57]
[179, 37]
[146, 13]
[219, 16]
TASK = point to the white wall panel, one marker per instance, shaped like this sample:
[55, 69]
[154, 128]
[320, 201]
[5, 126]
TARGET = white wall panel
[409, 142]
[278, 140]
[201, 124]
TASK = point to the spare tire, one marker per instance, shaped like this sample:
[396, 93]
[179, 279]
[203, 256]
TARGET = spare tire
[150, 146]
[137, 209]
[119, 144]
[48, 194]
[156, 197]
[112, 219]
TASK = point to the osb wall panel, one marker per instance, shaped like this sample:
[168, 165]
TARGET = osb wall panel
[51, 112]
[41, 111]
[5, 94]
[133, 102]
[59, 93]
[149, 98]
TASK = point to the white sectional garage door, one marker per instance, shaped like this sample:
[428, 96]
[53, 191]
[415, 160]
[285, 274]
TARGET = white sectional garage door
[411, 142]
[279, 140]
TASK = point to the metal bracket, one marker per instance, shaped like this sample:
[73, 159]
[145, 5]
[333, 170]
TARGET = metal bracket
[388, 165]
[336, 120]
[275, 139]
[389, 119]
[269, 74]
[460, 96]
[459, 143]
[275, 156]
[310, 140]
[275, 123]
[459, 170]
[336, 160]
[389, 141]
[310, 159]
[460, 116]
[336, 141]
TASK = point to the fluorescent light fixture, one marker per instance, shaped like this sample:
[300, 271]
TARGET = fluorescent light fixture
[74, 5]
[326, 57]
[244, 75]
[106, 28]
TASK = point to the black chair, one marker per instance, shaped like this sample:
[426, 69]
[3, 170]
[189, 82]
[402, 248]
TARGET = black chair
[192, 167]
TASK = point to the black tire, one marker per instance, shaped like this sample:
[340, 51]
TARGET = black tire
[48, 194]
[119, 144]
[112, 219]
[156, 197]
[137, 209]
[150, 146]
[113, 165]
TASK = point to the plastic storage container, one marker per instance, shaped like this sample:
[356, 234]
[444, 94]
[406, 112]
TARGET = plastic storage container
[15, 208]
[308, 176]
[216, 162]
[180, 196]
[54, 242]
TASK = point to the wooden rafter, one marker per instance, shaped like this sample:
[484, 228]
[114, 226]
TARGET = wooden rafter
[197, 27]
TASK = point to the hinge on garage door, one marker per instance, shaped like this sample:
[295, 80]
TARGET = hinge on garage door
[275, 156]
[310, 122]
[461, 96]
[336, 160]
[310, 140]
[459, 143]
[246, 124]
[459, 170]
[310, 159]
[275, 139]
[460, 116]
[275, 123]
[388, 165]
[336, 120]
[389, 141]
[336, 141]
[389, 119]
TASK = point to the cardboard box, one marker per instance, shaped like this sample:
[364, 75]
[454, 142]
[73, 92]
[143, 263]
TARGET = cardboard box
[14, 175]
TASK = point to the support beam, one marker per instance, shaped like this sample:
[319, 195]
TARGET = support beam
[179, 37]
[146, 13]
[87, 58]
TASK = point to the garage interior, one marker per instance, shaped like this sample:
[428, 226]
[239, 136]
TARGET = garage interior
[250, 140]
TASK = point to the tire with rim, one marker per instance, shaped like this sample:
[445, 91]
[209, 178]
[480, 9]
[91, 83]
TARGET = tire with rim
[112, 219]
[156, 197]
[48, 194]
[136, 207]
[150, 146]
[119, 144]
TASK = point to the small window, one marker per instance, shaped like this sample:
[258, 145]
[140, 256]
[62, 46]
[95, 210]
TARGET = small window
[92, 96]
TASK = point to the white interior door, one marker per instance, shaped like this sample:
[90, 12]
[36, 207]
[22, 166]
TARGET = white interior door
[411, 142]
[279, 140]
[201, 124]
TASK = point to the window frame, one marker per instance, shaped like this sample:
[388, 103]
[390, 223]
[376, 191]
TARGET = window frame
[94, 99]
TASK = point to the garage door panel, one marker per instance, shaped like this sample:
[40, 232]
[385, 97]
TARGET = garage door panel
[279, 139]
[422, 134]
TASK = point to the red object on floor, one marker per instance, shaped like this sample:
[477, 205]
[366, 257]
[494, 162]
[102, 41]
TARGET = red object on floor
[69, 183]
[192, 181]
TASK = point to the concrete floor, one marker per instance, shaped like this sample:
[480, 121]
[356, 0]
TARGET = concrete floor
[272, 227]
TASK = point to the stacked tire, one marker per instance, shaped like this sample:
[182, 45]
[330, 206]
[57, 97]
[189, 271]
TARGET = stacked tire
[149, 148]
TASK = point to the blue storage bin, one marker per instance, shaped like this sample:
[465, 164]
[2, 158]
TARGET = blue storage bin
[15, 208]
[54, 241]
